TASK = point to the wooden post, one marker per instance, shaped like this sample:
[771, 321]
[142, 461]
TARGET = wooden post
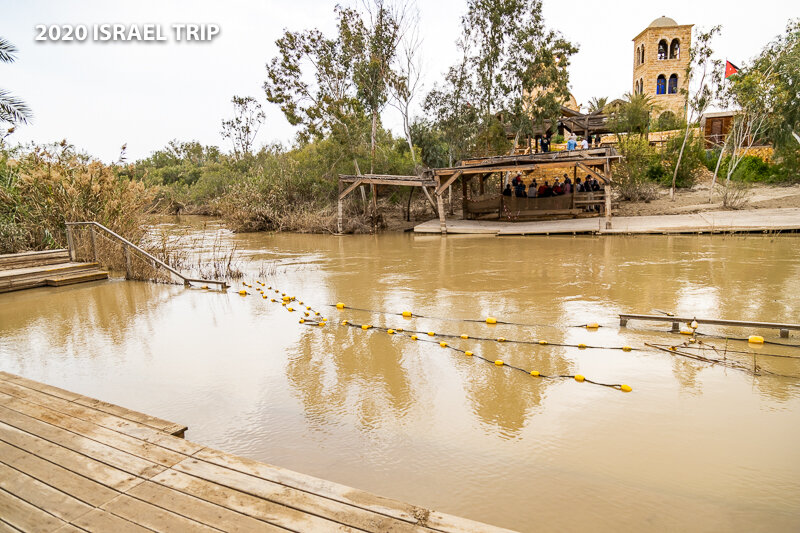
[607, 172]
[94, 244]
[71, 244]
[364, 198]
[440, 207]
[464, 197]
[450, 199]
[374, 192]
[482, 182]
[339, 209]
[127, 251]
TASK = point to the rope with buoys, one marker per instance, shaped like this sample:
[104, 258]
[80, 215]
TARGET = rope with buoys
[488, 320]
[497, 362]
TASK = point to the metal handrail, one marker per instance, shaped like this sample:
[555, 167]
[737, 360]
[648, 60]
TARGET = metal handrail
[186, 280]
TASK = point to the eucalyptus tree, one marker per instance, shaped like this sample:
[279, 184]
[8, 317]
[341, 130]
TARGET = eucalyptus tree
[242, 129]
[12, 109]
[706, 74]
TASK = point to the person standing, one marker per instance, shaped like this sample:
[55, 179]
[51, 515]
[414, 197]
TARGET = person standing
[545, 143]
[571, 144]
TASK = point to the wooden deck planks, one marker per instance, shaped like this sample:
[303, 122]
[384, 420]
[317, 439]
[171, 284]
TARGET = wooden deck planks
[73, 463]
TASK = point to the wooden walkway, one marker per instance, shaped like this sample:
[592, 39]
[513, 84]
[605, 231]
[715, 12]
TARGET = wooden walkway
[51, 268]
[752, 220]
[70, 463]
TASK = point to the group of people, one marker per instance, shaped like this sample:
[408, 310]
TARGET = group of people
[545, 190]
[573, 143]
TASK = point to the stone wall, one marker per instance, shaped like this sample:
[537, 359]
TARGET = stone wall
[649, 70]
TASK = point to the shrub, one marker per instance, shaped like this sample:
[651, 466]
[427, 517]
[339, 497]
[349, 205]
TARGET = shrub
[692, 162]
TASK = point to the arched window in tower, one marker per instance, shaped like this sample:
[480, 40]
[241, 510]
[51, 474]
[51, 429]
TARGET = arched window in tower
[675, 49]
[636, 59]
[642, 61]
[662, 49]
[641, 85]
[672, 86]
[661, 84]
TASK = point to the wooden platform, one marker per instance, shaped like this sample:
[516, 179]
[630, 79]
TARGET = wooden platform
[70, 463]
[746, 221]
[52, 268]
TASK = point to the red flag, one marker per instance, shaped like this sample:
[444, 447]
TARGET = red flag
[730, 69]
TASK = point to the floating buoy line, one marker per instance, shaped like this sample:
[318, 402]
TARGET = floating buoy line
[312, 317]
[488, 320]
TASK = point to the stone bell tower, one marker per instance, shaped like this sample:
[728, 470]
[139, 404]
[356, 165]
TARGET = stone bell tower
[660, 58]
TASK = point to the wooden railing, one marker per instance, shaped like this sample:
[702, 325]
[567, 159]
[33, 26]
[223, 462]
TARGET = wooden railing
[128, 247]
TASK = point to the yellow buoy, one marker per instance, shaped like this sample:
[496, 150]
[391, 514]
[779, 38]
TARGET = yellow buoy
[264, 296]
[414, 337]
[592, 325]
[407, 314]
[626, 348]
[499, 362]
[431, 333]
[543, 342]
[286, 299]
[501, 339]
[694, 324]
[691, 340]
[204, 287]
[272, 300]
[625, 388]
[365, 326]
[320, 324]
[243, 292]
[344, 322]
[283, 304]
[302, 320]
[464, 336]
[443, 344]
[283, 294]
[579, 378]
[306, 313]
[535, 373]
[755, 339]
[398, 329]
[686, 332]
[468, 353]
[582, 346]
[316, 313]
[390, 331]
[491, 320]
[308, 307]
[340, 305]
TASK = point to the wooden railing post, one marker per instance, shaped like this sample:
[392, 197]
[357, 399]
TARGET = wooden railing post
[127, 261]
[94, 244]
[71, 244]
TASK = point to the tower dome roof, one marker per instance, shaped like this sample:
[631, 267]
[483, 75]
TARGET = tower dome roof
[662, 22]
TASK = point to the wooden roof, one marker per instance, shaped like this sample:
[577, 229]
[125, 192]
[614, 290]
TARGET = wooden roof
[512, 163]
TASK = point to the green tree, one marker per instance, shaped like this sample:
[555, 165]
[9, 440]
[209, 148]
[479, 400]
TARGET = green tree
[597, 104]
[12, 109]
[632, 115]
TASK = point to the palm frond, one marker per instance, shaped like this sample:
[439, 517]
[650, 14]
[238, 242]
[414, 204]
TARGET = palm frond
[13, 110]
[7, 51]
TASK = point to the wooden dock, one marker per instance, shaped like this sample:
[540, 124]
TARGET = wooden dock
[50, 268]
[70, 463]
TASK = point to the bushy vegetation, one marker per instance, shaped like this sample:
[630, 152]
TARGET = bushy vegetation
[41, 187]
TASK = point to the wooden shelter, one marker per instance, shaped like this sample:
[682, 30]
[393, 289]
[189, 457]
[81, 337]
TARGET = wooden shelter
[595, 162]
[349, 182]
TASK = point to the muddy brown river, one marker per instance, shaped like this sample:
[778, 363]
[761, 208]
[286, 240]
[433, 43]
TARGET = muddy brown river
[695, 446]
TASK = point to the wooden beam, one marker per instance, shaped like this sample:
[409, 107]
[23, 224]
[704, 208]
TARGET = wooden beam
[352, 177]
[449, 182]
[339, 209]
[349, 189]
[623, 320]
[608, 195]
[440, 208]
[592, 172]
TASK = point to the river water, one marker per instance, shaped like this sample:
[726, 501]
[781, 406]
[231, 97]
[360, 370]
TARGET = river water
[694, 447]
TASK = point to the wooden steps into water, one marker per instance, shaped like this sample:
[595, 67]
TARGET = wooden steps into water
[52, 268]
[72, 463]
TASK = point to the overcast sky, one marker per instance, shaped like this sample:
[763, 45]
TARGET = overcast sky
[101, 95]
